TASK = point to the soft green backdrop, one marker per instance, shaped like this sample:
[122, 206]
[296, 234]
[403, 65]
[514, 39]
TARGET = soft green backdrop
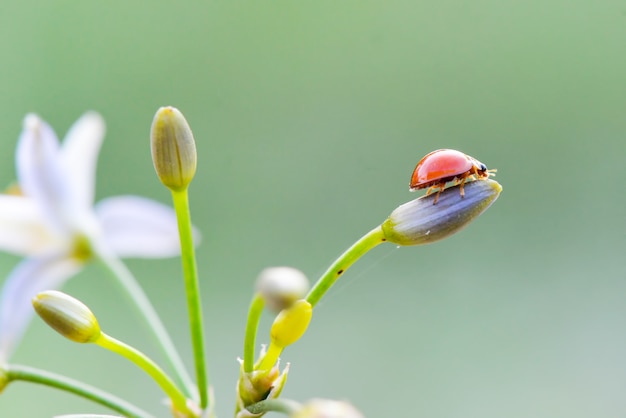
[309, 118]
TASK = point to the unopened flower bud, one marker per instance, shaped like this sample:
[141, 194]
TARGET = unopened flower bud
[4, 380]
[257, 386]
[173, 148]
[67, 316]
[281, 287]
[324, 408]
[420, 222]
[291, 323]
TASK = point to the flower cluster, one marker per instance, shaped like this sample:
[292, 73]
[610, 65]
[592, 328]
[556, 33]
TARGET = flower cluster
[49, 218]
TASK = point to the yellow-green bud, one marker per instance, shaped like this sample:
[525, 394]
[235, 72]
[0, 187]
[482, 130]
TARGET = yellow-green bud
[281, 287]
[422, 222]
[4, 380]
[173, 148]
[325, 408]
[291, 323]
[257, 386]
[67, 316]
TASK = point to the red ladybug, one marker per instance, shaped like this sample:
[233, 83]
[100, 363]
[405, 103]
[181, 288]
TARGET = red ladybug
[444, 165]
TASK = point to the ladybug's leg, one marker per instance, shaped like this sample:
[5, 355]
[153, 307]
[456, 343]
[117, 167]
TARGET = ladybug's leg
[462, 183]
[439, 186]
[437, 196]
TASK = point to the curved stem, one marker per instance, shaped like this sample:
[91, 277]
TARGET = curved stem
[345, 260]
[254, 316]
[144, 308]
[28, 374]
[179, 400]
[192, 288]
[286, 406]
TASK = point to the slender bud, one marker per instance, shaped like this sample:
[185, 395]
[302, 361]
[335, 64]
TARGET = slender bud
[325, 408]
[281, 287]
[67, 316]
[421, 222]
[291, 323]
[173, 148]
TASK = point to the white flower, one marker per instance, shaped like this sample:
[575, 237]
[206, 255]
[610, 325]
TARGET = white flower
[54, 224]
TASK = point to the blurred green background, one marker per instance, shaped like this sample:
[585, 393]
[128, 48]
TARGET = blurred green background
[309, 118]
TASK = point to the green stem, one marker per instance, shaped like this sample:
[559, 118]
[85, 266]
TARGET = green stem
[181, 205]
[270, 358]
[254, 316]
[28, 374]
[179, 401]
[286, 406]
[352, 254]
[144, 308]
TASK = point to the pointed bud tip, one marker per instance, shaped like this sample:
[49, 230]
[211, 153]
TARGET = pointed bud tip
[67, 316]
[422, 222]
[173, 148]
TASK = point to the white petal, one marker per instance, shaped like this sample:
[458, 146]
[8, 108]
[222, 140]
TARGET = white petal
[80, 156]
[138, 227]
[39, 171]
[22, 227]
[30, 277]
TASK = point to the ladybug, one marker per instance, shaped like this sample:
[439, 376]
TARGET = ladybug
[444, 165]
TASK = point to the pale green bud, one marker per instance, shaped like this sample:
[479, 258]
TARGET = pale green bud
[325, 408]
[173, 148]
[67, 316]
[422, 222]
[281, 287]
[291, 323]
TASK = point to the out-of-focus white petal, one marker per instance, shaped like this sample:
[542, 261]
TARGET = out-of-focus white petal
[39, 171]
[30, 277]
[22, 227]
[138, 227]
[79, 156]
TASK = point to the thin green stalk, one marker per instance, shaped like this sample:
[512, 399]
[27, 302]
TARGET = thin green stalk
[144, 308]
[286, 406]
[345, 260]
[179, 401]
[270, 358]
[192, 288]
[28, 374]
[254, 316]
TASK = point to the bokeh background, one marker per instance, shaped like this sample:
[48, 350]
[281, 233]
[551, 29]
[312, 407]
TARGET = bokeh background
[309, 118]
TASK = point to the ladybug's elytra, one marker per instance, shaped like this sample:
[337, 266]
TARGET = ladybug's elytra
[444, 165]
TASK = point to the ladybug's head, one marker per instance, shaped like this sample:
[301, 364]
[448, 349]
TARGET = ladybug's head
[481, 170]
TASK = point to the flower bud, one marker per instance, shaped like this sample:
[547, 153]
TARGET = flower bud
[258, 386]
[291, 323]
[67, 316]
[420, 222]
[173, 148]
[325, 408]
[281, 287]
